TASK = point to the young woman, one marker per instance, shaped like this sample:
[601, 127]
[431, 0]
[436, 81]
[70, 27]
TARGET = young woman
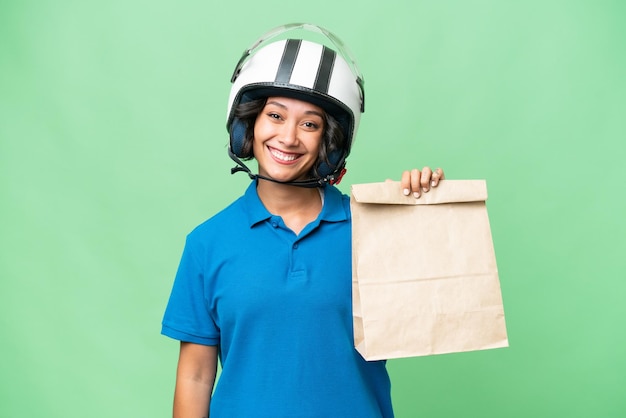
[265, 284]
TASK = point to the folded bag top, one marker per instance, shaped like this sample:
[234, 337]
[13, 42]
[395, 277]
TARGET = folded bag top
[448, 191]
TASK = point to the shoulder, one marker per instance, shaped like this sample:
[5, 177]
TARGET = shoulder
[225, 220]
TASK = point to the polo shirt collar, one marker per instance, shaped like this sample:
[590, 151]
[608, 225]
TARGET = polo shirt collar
[254, 207]
[333, 210]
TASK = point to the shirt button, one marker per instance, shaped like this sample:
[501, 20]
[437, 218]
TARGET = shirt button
[295, 246]
[275, 224]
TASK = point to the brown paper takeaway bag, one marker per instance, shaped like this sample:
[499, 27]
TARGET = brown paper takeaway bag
[425, 279]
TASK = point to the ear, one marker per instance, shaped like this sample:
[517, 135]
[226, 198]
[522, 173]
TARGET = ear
[334, 160]
[237, 137]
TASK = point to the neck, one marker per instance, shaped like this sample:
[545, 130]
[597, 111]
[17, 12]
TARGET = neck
[297, 206]
[278, 197]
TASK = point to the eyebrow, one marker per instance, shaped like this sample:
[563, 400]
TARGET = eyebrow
[308, 112]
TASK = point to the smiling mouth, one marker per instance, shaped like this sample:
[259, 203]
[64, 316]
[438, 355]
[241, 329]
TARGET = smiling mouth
[284, 156]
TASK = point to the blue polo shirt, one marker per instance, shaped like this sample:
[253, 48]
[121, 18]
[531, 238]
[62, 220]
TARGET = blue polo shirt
[279, 306]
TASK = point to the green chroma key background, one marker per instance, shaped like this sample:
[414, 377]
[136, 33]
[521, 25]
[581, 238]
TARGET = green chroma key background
[112, 147]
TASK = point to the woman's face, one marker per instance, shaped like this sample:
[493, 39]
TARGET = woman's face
[287, 137]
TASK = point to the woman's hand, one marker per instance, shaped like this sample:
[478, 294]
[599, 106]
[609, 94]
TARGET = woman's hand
[418, 182]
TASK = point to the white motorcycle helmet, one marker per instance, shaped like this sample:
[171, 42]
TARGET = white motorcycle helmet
[301, 69]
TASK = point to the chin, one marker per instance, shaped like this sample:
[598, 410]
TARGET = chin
[288, 175]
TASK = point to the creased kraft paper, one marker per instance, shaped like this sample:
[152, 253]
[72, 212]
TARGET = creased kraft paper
[425, 279]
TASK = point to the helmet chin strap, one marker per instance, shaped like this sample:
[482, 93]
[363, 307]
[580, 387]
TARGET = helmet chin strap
[310, 183]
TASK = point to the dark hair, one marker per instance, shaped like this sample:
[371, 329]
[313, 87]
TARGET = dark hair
[332, 136]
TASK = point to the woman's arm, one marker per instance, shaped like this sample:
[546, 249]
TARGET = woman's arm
[197, 367]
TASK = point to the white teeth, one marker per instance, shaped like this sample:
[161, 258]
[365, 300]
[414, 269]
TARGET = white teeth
[282, 156]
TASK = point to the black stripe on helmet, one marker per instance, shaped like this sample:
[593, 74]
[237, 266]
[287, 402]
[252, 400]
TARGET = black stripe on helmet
[325, 70]
[288, 61]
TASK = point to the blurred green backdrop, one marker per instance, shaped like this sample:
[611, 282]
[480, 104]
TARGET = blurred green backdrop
[112, 147]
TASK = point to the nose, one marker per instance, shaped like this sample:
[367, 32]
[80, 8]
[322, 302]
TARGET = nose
[289, 134]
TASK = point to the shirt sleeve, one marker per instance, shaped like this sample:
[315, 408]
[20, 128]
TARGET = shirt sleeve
[187, 317]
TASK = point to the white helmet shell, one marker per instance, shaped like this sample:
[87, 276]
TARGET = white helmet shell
[301, 69]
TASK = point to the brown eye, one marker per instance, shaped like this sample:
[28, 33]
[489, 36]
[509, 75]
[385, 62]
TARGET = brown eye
[311, 125]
